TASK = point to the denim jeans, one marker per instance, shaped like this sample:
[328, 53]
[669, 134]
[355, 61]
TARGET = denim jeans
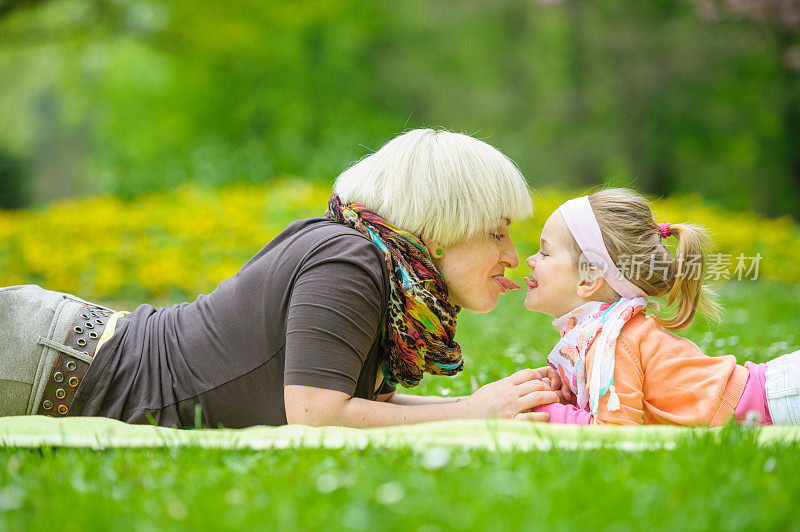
[29, 316]
[783, 389]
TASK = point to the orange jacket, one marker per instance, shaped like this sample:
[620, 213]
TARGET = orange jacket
[663, 379]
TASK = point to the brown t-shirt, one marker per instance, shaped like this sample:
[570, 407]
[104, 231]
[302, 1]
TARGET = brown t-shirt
[307, 309]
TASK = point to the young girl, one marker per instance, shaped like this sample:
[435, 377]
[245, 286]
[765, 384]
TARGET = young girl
[601, 257]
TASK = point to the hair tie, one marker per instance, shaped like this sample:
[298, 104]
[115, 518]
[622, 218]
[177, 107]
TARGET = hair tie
[665, 229]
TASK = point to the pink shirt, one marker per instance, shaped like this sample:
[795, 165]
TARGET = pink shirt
[754, 398]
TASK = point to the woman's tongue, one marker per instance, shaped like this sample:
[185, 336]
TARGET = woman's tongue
[508, 284]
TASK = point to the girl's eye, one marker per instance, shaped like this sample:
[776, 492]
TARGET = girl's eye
[498, 236]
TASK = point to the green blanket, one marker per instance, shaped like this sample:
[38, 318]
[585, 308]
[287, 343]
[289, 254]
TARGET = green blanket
[100, 433]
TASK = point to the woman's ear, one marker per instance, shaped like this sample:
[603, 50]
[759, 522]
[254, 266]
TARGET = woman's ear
[435, 250]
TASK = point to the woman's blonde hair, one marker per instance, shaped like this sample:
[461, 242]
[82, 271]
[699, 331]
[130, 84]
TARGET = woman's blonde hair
[634, 242]
[443, 185]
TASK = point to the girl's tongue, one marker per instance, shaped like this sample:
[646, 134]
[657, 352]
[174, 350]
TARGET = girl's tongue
[531, 283]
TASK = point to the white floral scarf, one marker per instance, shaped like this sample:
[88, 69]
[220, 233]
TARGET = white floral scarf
[579, 328]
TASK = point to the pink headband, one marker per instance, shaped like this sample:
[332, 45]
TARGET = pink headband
[582, 223]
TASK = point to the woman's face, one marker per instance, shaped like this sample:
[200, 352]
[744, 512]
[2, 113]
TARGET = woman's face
[474, 269]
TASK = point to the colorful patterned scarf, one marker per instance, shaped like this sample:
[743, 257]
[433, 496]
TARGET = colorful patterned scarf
[578, 329]
[419, 330]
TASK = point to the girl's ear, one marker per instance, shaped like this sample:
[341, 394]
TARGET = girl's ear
[586, 289]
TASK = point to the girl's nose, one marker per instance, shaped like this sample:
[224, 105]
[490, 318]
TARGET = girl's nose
[531, 262]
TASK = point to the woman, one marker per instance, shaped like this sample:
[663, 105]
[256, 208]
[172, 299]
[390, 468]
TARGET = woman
[318, 327]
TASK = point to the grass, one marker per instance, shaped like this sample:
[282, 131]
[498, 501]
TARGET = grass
[701, 485]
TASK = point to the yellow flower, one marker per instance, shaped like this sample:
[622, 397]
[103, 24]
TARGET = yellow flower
[188, 240]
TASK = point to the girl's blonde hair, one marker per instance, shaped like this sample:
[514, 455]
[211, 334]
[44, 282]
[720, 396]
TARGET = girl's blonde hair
[443, 185]
[635, 244]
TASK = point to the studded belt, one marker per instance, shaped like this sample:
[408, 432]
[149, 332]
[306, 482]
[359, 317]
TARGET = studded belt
[69, 369]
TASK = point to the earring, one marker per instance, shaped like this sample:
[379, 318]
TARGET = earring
[439, 252]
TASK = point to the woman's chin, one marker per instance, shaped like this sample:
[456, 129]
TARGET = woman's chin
[487, 306]
[481, 305]
[491, 302]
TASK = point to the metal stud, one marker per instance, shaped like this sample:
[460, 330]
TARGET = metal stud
[73, 381]
[93, 335]
[78, 329]
[71, 365]
[84, 316]
[47, 404]
[62, 409]
[60, 393]
[89, 325]
[99, 321]
[81, 342]
[58, 377]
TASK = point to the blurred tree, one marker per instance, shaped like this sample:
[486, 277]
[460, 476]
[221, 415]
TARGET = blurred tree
[692, 106]
[14, 191]
[780, 21]
[587, 162]
[133, 95]
[8, 6]
[47, 111]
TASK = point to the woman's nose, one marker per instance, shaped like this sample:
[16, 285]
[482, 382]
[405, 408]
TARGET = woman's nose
[508, 256]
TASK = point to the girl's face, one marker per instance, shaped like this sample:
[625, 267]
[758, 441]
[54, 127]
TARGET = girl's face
[554, 279]
[474, 270]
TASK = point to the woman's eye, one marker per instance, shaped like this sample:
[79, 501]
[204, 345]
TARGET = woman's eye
[498, 236]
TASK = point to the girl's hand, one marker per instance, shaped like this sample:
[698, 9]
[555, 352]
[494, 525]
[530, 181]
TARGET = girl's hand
[512, 398]
[562, 389]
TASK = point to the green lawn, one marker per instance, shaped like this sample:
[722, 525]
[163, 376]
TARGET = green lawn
[698, 486]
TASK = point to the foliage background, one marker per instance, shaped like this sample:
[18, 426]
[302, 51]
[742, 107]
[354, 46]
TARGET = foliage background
[127, 96]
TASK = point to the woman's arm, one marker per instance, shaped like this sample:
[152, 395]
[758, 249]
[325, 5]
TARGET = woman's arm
[408, 399]
[509, 398]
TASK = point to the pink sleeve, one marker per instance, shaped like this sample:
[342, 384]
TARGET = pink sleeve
[565, 414]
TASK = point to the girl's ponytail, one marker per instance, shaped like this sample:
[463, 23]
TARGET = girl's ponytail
[688, 290]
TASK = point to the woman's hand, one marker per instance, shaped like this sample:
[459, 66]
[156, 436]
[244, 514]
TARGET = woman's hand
[512, 397]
